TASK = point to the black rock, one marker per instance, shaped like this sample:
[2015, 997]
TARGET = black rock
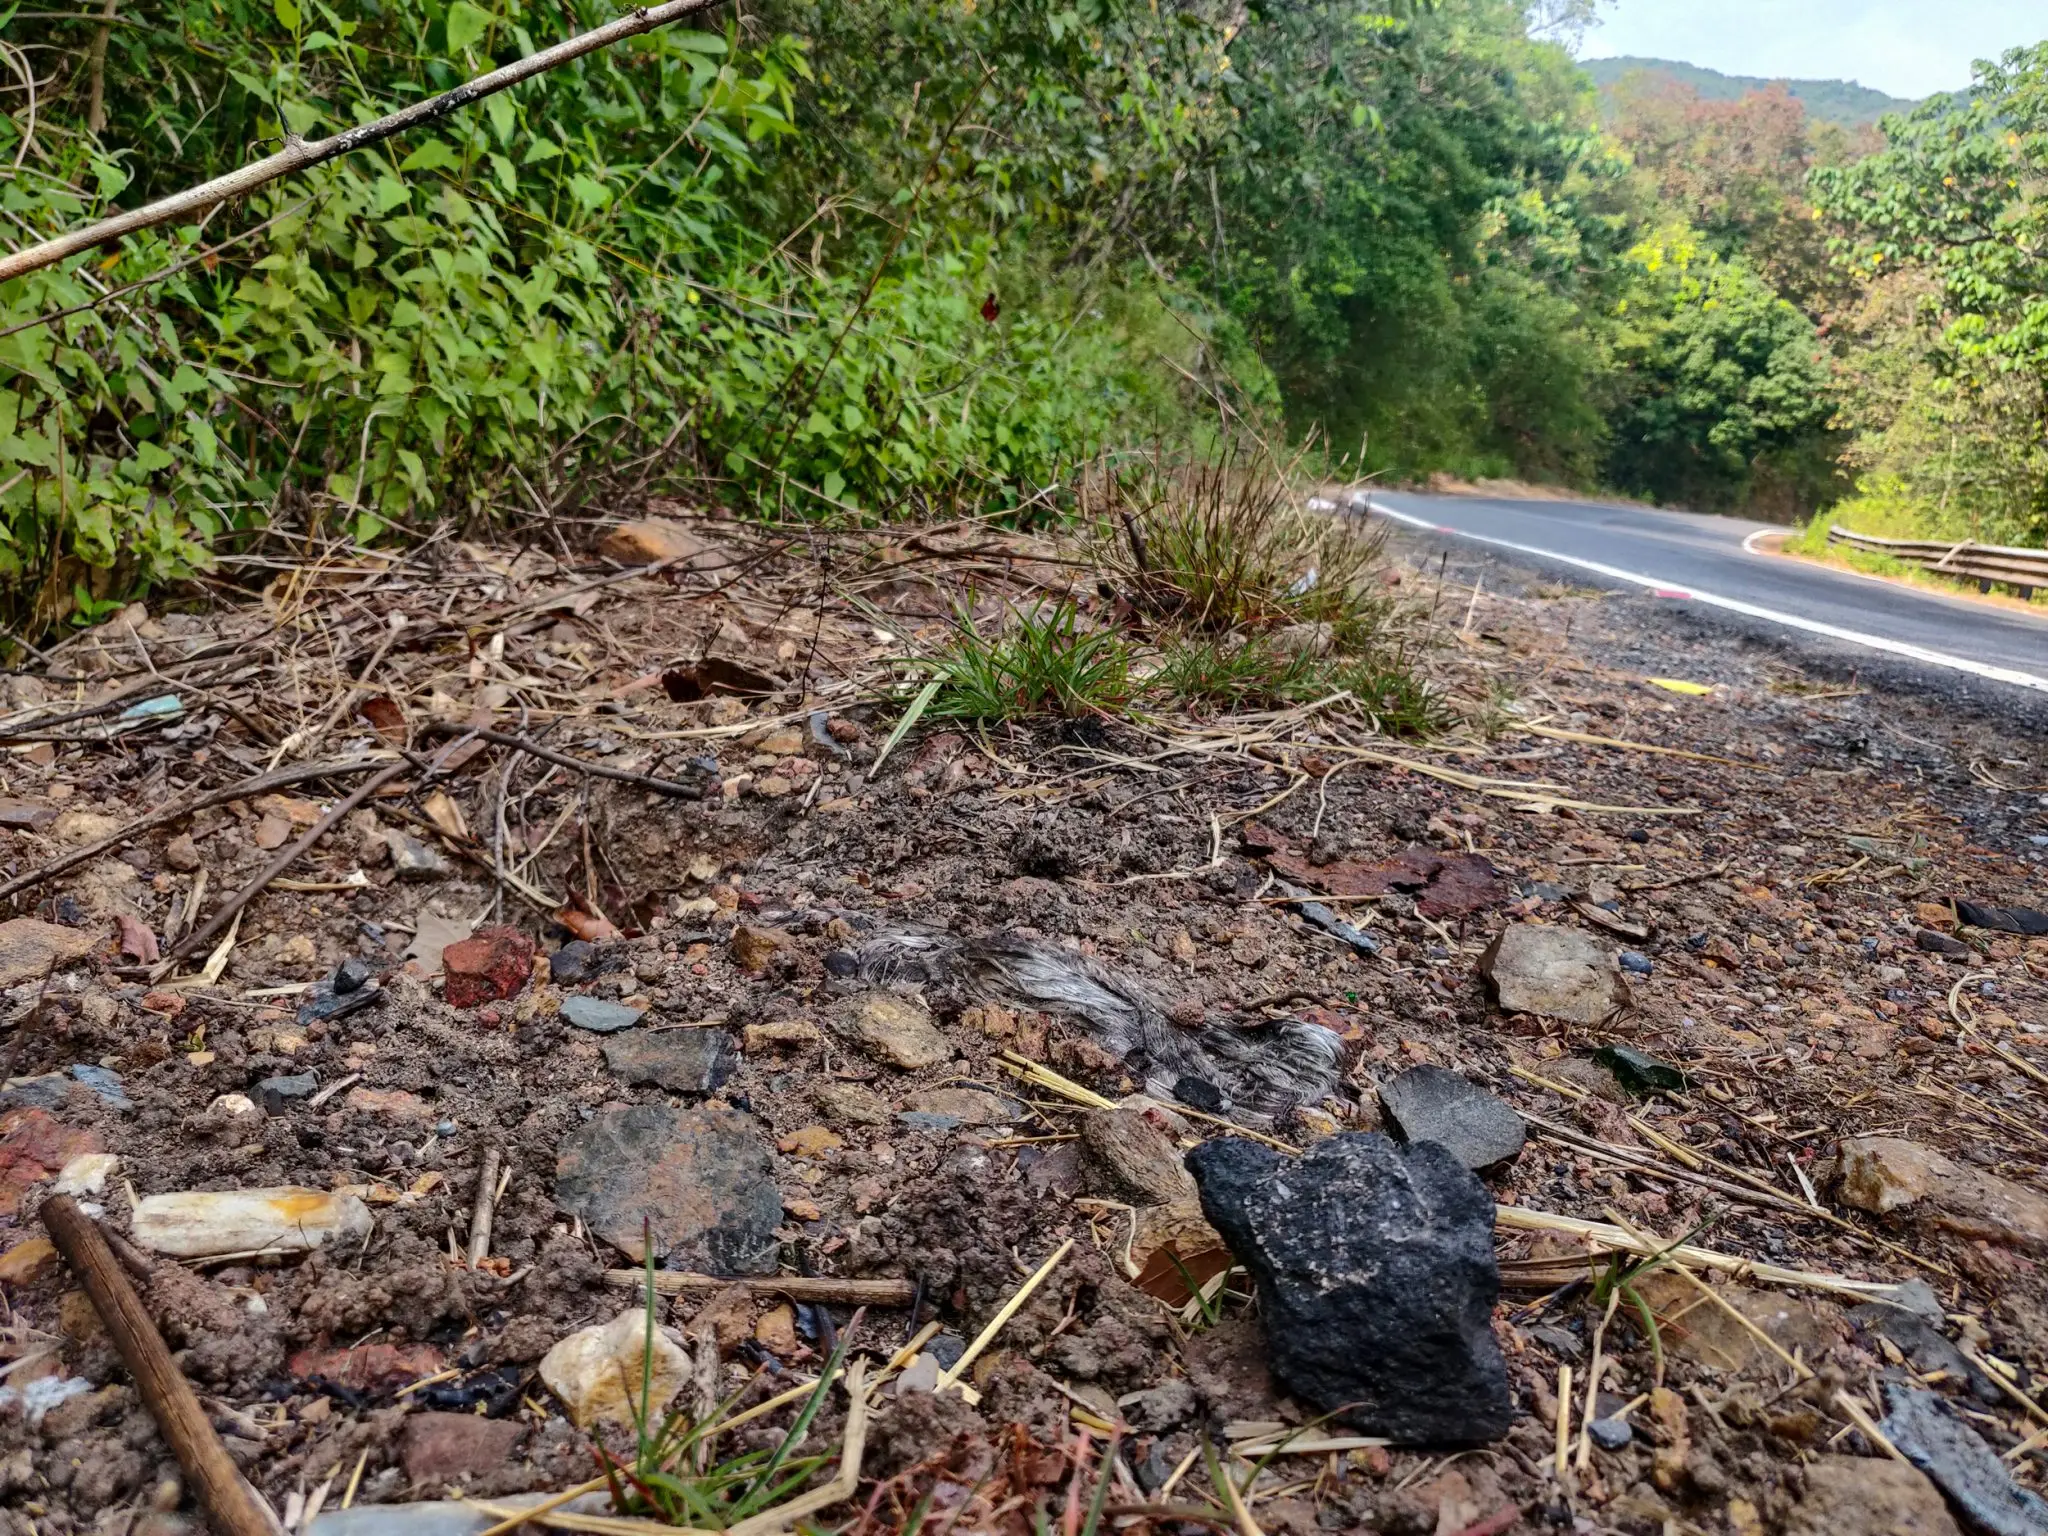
[1376, 1277]
[350, 976]
[273, 1093]
[1610, 1434]
[840, 962]
[52, 1090]
[1200, 1093]
[326, 1000]
[946, 1348]
[574, 961]
[1961, 1464]
[680, 1060]
[1432, 1104]
[1637, 964]
[1938, 943]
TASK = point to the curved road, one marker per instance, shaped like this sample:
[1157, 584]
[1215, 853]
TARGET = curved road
[1696, 559]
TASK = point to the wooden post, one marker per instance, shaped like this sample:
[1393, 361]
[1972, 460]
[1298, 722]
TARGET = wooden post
[230, 1505]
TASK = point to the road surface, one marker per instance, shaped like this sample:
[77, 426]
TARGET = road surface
[1706, 563]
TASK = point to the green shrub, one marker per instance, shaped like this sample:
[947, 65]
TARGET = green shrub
[1046, 664]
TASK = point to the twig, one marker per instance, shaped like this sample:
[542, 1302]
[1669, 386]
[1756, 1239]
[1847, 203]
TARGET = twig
[229, 1503]
[1862, 1420]
[302, 155]
[486, 1201]
[284, 859]
[239, 791]
[564, 760]
[810, 1288]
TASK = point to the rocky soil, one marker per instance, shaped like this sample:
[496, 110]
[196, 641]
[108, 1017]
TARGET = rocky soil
[1614, 965]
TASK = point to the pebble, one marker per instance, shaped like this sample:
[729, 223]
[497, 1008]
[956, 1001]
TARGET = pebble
[894, 1028]
[850, 1103]
[1434, 1104]
[1610, 1434]
[597, 1371]
[439, 1448]
[680, 1060]
[412, 859]
[30, 948]
[598, 1015]
[1558, 973]
[1636, 964]
[490, 965]
[575, 961]
[752, 948]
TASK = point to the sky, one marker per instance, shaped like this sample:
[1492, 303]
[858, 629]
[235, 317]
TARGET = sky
[1902, 47]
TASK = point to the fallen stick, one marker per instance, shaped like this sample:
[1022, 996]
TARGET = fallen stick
[486, 1201]
[564, 760]
[229, 1503]
[241, 790]
[284, 860]
[302, 155]
[812, 1288]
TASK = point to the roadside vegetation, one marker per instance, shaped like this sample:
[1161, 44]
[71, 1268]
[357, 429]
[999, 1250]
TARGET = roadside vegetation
[908, 260]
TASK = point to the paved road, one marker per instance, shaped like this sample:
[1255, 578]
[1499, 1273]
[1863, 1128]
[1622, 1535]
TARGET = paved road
[1704, 561]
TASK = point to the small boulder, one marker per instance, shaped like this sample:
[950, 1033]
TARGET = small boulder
[701, 1177]
[1885, 1175]
[489, 966]
[1559, 973]
[1434, 1104]
[182, 854]
[1376, 1277]
[597, 1371]
[967, 1106]
[781, 1035]
[895, 1028]
[412, 859]
[850, 1103]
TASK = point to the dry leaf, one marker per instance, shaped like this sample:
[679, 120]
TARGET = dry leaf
[384, 717]
[445, 814]
[271, 832]
[137, 941]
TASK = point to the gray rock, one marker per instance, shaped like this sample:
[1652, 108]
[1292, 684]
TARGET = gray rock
[702, 1180]
[598, 1015]
[1166, 1406]
[926, 1120]
[1376, 1278]
[680, 1060]
[1888, 1175]
[1961, 1464]
[574, 961]
[1559, 973]
[1610, 1434]
[412, 859]
[52, 1089]
[1926, 1348]
[845, 1103]
[274, 1092]
[1433, 1104]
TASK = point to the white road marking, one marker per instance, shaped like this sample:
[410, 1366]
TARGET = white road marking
[1664, 588]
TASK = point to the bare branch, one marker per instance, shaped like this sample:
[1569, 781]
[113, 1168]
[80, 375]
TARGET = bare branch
[300, 154]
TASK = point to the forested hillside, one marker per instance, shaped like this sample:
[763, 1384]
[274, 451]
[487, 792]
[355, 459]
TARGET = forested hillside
[1842, 102]
[872, 260]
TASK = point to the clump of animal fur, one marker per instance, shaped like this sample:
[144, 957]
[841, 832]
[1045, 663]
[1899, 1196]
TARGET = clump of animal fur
[1258, 1072]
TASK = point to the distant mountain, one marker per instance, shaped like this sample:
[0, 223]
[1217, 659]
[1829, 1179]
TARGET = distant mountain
[1832, 101]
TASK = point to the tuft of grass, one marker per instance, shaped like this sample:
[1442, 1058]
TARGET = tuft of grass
[1225, 543]
[1048, 663]
[676, 1475]
[1259, 673]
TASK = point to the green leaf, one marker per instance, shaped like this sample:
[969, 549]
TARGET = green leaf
[287, 12]
[434, 155]
[504, 116]
[388, 193]
[466, 23]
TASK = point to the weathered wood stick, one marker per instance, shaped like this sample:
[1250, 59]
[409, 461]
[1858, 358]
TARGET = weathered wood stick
[303, 154]
[851, 1293]
[229, 1504]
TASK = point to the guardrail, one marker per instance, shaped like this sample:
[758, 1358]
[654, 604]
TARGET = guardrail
[2005, 564]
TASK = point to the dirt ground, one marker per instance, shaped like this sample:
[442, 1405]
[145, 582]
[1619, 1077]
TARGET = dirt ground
[1779, 878]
